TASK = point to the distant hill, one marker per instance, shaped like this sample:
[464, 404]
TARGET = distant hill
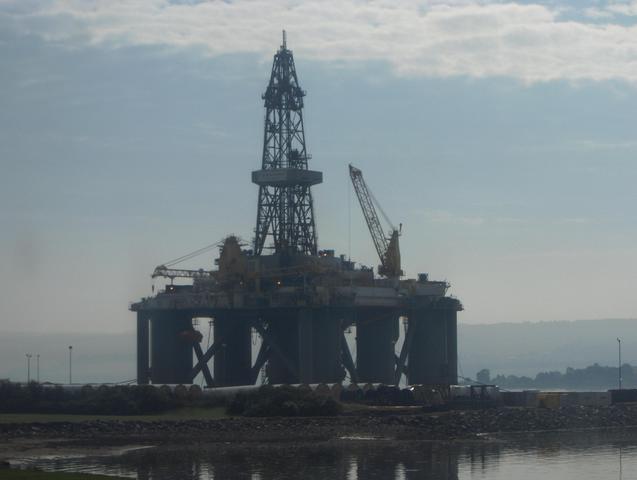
[530, 348]
[505, 348]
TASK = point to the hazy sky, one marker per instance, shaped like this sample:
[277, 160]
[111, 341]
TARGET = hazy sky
[502, 135]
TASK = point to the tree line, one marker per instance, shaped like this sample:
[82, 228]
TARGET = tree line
[594, 376]
[111, 400]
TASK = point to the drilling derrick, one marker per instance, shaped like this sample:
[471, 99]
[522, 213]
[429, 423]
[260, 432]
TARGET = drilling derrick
[285, 211]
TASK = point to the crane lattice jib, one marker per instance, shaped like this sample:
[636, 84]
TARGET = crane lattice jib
[369, 212]
[162, 271]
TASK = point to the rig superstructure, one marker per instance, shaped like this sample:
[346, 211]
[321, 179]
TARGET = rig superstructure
[298, 299]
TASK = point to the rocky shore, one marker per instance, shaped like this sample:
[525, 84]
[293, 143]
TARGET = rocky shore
[394, 424]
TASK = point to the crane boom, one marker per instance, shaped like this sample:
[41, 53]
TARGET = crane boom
[369, 212]
[162, 271]
[387, 248]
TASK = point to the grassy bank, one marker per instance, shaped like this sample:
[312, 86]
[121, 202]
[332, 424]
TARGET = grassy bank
[101, 400]
[11, 474]
[188, 413]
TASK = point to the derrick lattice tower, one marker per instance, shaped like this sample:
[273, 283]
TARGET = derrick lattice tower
[285, 211]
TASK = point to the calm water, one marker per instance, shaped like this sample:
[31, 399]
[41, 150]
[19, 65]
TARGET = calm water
[579, 456]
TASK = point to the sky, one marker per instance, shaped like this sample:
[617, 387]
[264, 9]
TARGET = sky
[502, 135]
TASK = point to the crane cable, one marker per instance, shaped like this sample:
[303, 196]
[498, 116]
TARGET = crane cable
[385, 216]
[190, 255]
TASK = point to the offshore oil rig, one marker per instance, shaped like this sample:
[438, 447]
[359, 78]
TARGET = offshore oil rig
[298, 300]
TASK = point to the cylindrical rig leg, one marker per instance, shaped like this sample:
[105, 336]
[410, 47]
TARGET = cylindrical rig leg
[452, 345]
[233, 360]
[305, 345]
[428, 359]
[376, 336]
[171, 348]
[327, 335]
[283, 338]
[143, 360]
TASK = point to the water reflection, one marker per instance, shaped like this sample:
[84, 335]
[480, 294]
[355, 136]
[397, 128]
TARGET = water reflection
[581, 456]
[340, 460]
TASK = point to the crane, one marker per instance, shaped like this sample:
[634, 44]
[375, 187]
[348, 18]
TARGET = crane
[387, 248]
[172, 273]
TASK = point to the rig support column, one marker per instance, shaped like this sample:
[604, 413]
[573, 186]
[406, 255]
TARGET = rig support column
[143, 360]
[428, 362]
[306, 346]
[233, 361]
[306, 342]
[327, 346]
[376, 336]
[433, 356]
[282, 336]
[171, 347]
[452, 345]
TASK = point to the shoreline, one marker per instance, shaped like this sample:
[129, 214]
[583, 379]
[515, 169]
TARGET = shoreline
[376, 424]
[136, 444]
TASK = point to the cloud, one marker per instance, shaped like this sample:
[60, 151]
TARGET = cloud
[447, 217]
[598, 13]
[623, 8]
[529, 42]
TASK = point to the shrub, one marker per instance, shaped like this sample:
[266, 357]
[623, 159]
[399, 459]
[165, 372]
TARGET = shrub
[104, 400]
[283, 401]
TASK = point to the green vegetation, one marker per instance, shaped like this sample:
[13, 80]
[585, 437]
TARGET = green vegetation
[283, 402]
[36, 403]
[12, 474]
[594, 377]
[186, 413]
[112, 400]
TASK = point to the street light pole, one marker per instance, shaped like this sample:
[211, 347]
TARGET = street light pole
[70, 364]
[619, 348]
[29, 367]
[37, 358]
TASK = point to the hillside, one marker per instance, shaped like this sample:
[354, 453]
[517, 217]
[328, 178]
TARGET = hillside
[505, 348]
[529, 348]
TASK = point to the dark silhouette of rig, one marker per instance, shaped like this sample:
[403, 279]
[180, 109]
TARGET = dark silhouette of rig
[297, 300]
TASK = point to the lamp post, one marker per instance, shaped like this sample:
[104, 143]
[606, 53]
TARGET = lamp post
[619, 348]
[70, 364]
[37, 363]
[29, 367]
